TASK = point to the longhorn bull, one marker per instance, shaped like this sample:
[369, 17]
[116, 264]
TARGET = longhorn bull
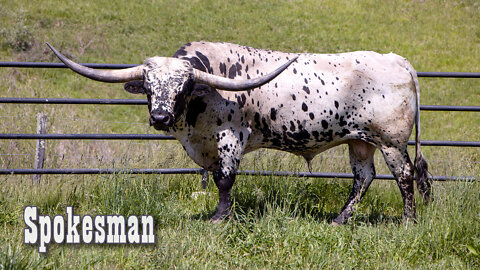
[220, 101]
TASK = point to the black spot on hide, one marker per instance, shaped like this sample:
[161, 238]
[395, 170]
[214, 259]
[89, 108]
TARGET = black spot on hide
[205, 61]
[196, 63]
[232, 72]
[306, 89]
[223, 69]
[235, 69]
[304, 107]
[273, 114]
[181, 52]
[257, 120]
[301, 136]
[241, 100]
[343, 133]
[292, 126]
[324, 124]
[195, 107]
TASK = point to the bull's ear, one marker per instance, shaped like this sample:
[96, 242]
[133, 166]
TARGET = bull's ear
[134, 87]
[201, 90]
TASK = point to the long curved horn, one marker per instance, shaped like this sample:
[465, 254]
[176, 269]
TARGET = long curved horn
[111, 76]
[238, 85]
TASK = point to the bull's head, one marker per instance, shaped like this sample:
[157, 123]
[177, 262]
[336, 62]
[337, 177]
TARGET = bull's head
[167, 82]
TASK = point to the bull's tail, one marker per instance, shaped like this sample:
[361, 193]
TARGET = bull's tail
[421, 167]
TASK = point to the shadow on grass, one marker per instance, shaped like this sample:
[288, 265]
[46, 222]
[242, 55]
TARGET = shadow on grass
[314, 200]
[307, 212]
[203, 216]
[376, 219]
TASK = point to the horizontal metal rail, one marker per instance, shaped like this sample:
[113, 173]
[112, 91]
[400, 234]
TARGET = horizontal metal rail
[74, 101]
[144, 102]
[24, 136]
[450, 108]
[62, 65]
[102, 171]
[32, 136]
[448, 74]
[199, 171]
[446, 143]
[121, 66]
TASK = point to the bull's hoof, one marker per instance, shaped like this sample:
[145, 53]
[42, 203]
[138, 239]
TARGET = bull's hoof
[341, 219]
[410, 220]
[219, 218]
[217, 221]
[223, 212]
[335, 224]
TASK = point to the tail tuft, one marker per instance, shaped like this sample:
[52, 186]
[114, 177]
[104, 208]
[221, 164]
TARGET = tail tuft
[423, 182]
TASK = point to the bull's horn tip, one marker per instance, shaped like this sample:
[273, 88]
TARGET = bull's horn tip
[51, 47]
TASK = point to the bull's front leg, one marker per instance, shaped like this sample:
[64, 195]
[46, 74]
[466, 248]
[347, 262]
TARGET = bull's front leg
[224, 184]
[230, 150]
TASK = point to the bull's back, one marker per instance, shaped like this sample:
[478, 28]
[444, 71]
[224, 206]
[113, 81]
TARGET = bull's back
[320, 100]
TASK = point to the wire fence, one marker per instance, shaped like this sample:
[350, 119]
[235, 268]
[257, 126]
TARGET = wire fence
[11, 136]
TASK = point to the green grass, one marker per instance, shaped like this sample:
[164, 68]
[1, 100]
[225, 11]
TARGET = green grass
[278, 222]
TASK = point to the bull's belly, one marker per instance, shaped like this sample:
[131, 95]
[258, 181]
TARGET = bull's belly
[205, 153]
[307, 143]
[308, 151]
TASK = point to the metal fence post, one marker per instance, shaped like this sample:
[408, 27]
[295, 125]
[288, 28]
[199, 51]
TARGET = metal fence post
[40, 146]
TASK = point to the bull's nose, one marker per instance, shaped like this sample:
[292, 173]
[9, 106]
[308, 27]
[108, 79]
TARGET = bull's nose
[161, 118]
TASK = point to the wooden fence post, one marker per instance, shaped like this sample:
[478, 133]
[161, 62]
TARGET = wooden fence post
[40, 148]
[204, 180]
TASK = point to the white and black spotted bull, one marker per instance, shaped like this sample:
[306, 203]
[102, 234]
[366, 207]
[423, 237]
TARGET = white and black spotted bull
[223, 100]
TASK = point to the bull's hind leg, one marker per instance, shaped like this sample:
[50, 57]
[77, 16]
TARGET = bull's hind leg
[401, 166]
[361, 161]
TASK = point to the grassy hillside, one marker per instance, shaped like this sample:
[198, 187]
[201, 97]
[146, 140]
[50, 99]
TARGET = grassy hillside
[278, 222]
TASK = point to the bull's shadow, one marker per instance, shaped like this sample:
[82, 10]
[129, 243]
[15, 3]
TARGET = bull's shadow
[318, 199]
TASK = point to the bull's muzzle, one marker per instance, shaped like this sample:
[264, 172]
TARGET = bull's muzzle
[161, 120]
